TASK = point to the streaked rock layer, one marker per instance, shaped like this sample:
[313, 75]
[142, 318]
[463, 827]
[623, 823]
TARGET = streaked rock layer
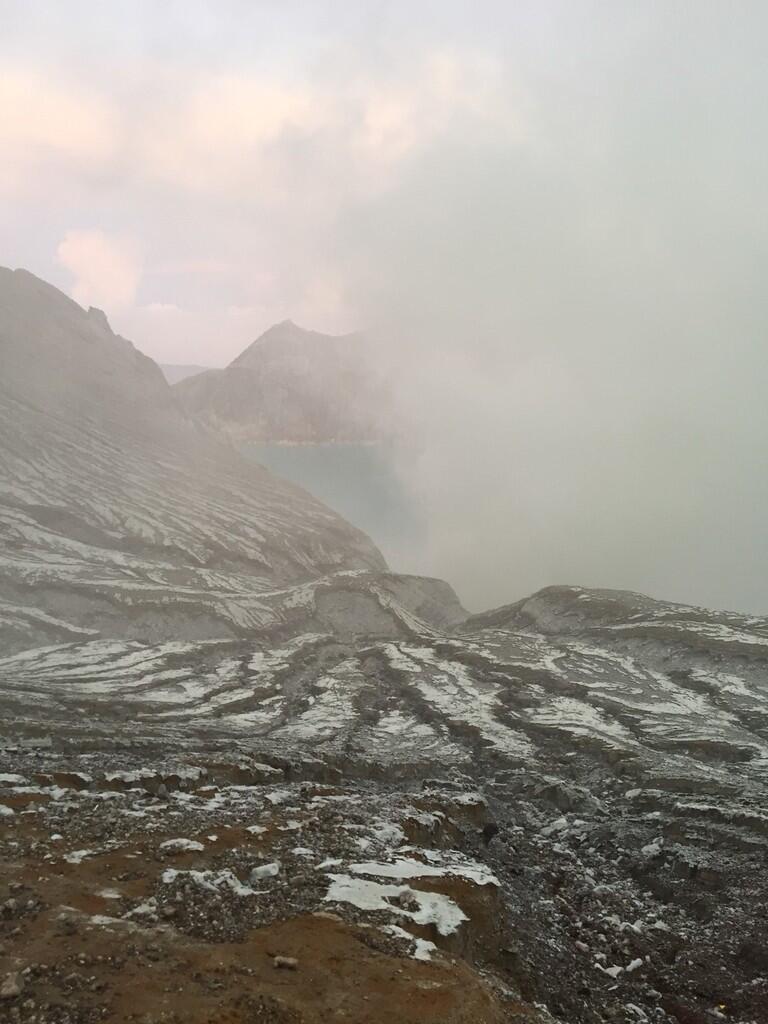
[119, 515]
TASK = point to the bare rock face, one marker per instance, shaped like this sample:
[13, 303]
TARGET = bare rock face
[294, 385]
[117, 514]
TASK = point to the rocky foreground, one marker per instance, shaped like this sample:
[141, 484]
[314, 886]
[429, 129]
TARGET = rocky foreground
[557, 810]
[220, 891]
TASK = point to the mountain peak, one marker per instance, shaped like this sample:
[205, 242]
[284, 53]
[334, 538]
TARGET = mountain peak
[288, 337]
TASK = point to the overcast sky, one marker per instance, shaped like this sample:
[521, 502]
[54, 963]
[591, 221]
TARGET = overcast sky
[552, 214]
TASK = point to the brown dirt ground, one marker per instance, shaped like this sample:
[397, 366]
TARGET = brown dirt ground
[126, 973]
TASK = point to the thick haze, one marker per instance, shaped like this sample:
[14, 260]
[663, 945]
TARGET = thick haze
[553, 215]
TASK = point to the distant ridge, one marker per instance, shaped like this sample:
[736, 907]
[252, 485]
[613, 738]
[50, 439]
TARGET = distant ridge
[174, 372]
[285, 341]
[294, 385]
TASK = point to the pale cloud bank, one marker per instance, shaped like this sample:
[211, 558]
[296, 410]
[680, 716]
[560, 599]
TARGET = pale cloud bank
[106, 270]
[234, 179]
[45, 125]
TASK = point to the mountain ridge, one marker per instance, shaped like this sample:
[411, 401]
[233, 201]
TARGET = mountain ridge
[287, 333]
[111, 495]
[294, 385]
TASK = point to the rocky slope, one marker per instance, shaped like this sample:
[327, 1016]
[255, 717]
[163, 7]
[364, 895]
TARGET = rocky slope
[246, 774]
[118, 515]
[603, 758]
[294, 385]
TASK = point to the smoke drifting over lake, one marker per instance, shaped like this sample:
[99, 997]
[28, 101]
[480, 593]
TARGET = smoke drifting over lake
[551, 216]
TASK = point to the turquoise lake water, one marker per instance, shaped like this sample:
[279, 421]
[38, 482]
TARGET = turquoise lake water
[360, 482]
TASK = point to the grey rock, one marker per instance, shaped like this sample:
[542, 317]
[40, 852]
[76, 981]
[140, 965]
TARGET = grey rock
[12, 986]
[287, 963]
[295, 385]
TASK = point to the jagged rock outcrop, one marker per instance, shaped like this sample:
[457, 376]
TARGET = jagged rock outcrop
[294, 385]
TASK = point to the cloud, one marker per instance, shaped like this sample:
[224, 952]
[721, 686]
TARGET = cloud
[401, 116]
[216, 132]
[161, 308]
[305, 143]
[45, 123]
[107, 269]
[577, 339]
